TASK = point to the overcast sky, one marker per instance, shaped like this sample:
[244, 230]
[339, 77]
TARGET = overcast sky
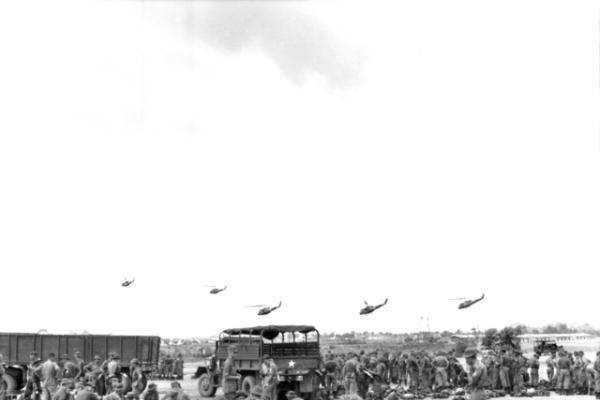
[318, 153]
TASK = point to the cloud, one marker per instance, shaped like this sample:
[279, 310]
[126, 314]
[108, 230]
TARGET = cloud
[302, 45]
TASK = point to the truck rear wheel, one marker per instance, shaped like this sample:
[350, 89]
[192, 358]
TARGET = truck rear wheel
[247, 384]
[205, 386]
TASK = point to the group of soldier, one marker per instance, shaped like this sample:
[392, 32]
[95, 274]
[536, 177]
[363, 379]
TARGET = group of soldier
[504, 371]
[70, 378]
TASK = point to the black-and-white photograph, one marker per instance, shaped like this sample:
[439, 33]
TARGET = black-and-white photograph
[299, 199]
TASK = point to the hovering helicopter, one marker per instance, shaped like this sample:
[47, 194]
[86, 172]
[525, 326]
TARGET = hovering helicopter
[216, 290]
[127, 283]
[467, 303]
[368, 309]
[264, 310]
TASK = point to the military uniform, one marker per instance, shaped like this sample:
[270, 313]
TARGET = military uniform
[534, 367]
[440, 362]
[230, 378]
[349, 374]
[597, 375]
[550, 369]
[270, 380]
[178, 367]
[564, 373]
[50, 374]
[477, 377]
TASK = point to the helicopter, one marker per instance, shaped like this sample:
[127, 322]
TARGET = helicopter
[264, 310]
[216, 290]
[468, 303]
[368, 309]
[127, 283]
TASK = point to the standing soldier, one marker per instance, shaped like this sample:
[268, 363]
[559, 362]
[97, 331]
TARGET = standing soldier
[137, 377]
[597, 375]
[425, 371]
[534, 369]
[505, 367]
[476, 375]
[79, 363]
[563, 383]
[379, 379]
[440, 363]
[113, 371]
[92, 372]
[393, 368]
[270, 378]
[230, 376]
[331, 374]
[50, 375]
[412, 366]
[178, 367]
[349, 372]
[33, 387]
[362, 379]
[550, 367]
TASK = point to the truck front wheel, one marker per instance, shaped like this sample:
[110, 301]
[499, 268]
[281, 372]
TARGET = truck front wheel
[8, 385]
[205, 386]
[247, 384]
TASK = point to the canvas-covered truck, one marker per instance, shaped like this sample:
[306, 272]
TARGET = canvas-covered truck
[294, 348]
[16, 347]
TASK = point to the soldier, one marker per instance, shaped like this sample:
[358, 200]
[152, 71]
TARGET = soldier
[379, 378]
[270, 378]
[534, 367]
[412, 365]
[87, 393]
[150, 393]
[50, 374]
[113, 371]
[505, 367]
[402, 369]
[393, 369]
[176, 393]
[550, 367]
[476, 375]
[33, 387]
[440, 363]
[69, 369]
[64, 392]
[230, 376]
[349, 373]
[362, 379]
[597, 375]
[563, 383]
[116, 392]
[331, 374]
[79, 363]
[178, 367]
[137, 376]
[425, 371]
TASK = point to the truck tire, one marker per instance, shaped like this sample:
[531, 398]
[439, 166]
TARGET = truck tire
[205, 386]
[8, 384]
[126, 382]
[247, 384]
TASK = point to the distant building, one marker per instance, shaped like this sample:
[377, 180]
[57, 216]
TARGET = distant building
[558, 337]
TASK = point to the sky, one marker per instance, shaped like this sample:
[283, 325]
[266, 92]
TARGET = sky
[318, 153]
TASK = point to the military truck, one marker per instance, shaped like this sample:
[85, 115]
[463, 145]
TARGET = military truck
[545, 346]
[294, 348]
[16, 347]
